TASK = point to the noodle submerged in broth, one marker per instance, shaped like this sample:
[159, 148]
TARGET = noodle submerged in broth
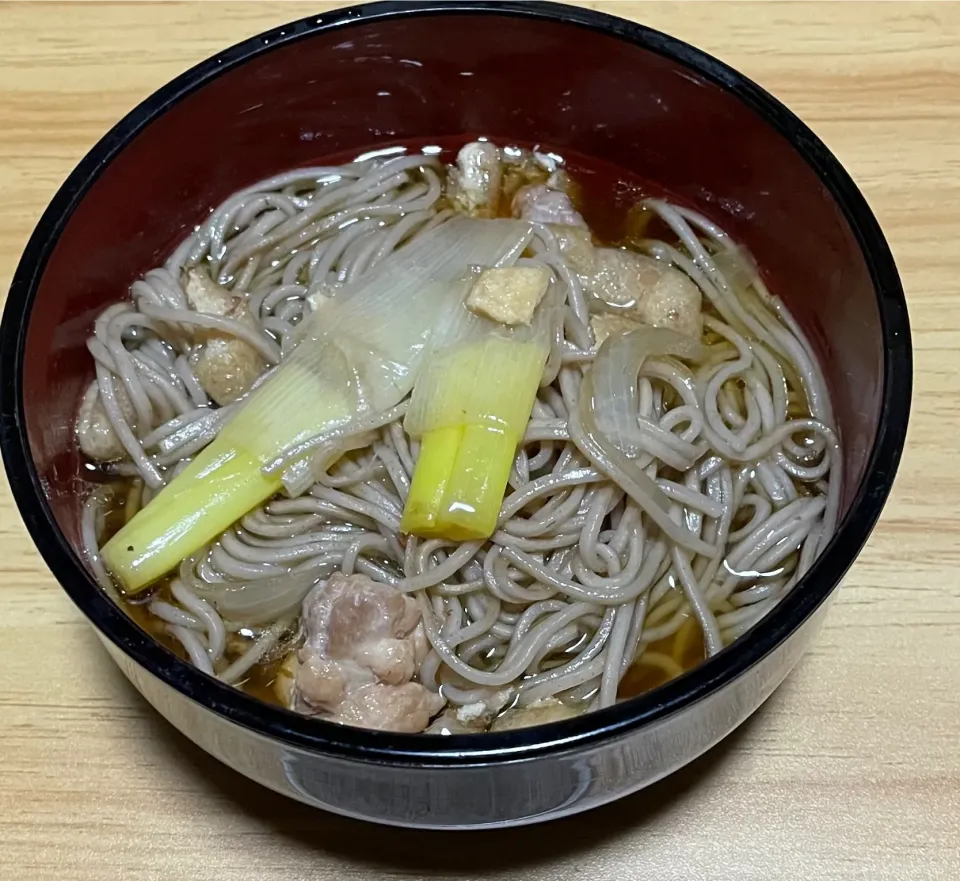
[676, 476]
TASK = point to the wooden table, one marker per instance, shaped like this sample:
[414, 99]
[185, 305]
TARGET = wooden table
[851, 771]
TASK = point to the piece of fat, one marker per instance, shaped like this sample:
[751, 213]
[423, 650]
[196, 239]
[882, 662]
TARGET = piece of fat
[317, 300]
[509, 294]
[540, 712]
[323, 295]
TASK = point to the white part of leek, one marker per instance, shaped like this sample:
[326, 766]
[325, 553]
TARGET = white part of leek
[368, 344]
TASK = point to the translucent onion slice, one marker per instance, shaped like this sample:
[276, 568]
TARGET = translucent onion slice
[262, 600]
[601, 422]
[616, 401]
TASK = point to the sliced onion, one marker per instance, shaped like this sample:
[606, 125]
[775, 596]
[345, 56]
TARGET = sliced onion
[606, 458]
[615, 403]
[266, 599]
[619, 361]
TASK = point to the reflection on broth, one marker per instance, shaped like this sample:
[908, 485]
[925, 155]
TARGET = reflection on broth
[454, 442]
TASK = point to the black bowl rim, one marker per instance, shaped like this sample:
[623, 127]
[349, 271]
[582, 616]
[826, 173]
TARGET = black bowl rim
[413, 750]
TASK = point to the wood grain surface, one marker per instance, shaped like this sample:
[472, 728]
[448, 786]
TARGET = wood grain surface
[851, 771]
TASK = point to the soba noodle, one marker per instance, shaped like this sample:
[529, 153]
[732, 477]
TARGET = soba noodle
[583, 577]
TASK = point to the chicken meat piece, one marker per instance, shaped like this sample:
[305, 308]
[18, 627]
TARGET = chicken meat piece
[537, 713]
[648, 290]
[95, 433]
[540, 203]
[509, 294]
[473, 185]
[576, 245]
[355, 618]
[406, 708]
[321, 684]
[364, 644]
[225, 366]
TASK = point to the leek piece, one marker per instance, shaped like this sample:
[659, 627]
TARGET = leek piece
[359, 355]
[223, 482]
[475, 489]
[477, 391]
[438, 455]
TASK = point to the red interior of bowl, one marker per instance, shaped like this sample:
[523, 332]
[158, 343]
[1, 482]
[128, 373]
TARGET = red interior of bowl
[516, 79]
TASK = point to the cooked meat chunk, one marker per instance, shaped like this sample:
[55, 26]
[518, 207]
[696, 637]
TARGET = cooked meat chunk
[323, 684]
[95, 433]
[355, 618]
[649, 291]
[405, 708]
[473, 185]
[363, 646]
[541, 204]
[654, 292]
[225, 366]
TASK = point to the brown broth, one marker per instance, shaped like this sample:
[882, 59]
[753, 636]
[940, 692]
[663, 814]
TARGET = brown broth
[685, 648]
[259, 683]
